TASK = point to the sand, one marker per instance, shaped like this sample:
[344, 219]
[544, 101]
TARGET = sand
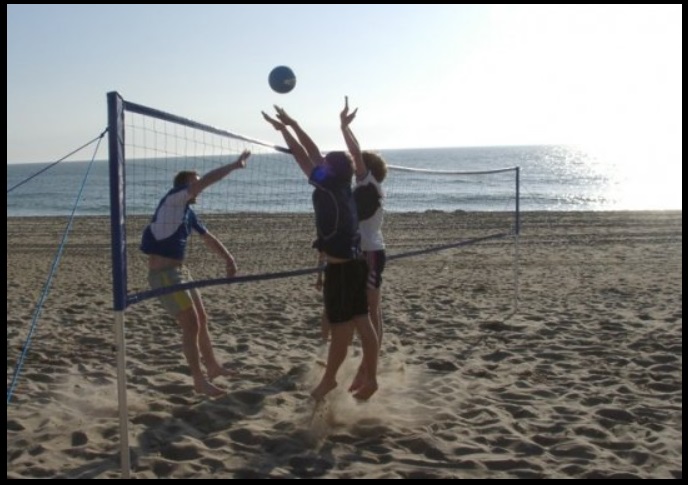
[582, 379]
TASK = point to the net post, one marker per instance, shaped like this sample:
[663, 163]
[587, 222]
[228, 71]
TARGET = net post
[119, 262]
[117, 199]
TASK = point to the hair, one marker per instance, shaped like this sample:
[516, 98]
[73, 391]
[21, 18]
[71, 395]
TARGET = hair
[341, 165]
[376, 164]
[183, 177]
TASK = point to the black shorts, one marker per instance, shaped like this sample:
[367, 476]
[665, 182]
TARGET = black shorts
[344, 291]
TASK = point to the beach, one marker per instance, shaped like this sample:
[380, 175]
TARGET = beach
[570, 367]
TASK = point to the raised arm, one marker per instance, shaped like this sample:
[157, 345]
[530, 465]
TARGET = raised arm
[351, 142]
[306, 141]
[217, 174]
[297, 151]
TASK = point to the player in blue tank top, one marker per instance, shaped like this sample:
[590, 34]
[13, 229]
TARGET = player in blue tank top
[164, 240]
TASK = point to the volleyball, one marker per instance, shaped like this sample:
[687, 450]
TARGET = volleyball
[282, 79]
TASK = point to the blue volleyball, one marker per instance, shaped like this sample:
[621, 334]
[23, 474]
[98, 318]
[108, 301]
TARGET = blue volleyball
[282, 79]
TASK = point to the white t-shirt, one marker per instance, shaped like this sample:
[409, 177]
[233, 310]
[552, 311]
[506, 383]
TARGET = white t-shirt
[368, 195]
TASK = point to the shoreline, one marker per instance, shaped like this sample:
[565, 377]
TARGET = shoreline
[429, 211]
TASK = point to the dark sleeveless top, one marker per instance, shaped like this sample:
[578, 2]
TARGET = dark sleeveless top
[335, 215]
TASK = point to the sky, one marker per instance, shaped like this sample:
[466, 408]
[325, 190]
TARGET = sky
[421, 75]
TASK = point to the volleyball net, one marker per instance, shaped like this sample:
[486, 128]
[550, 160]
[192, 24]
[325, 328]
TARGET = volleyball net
[265, 209]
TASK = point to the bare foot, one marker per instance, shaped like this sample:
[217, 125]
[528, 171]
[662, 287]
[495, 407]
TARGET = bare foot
[358, 380]
[219, 371]
[208, 389]
[323, 388]
[364, 392]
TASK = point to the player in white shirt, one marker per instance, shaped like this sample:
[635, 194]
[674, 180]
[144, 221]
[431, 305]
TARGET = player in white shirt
[370, 170]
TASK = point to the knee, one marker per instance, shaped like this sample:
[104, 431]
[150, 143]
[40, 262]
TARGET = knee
[202, 319]
[201, 314]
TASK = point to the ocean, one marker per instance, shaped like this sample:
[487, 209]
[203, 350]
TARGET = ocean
[552, 178]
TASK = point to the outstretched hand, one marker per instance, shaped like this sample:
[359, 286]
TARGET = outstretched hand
[345, 117]
[284, 117]
[241, 161]
[275, 124]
